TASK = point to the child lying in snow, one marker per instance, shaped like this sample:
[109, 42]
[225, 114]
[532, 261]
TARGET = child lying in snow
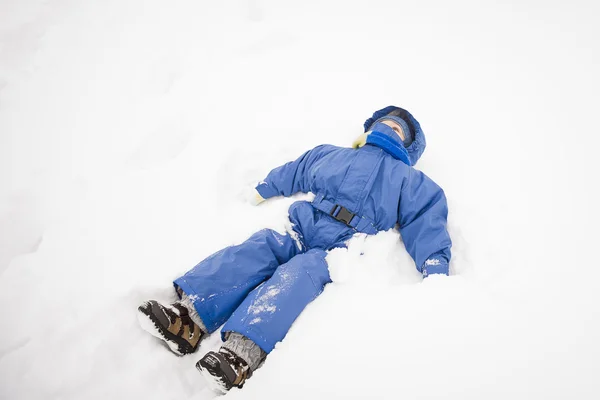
[259, 287]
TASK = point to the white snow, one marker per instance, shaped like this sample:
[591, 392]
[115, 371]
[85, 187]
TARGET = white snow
[128, 130]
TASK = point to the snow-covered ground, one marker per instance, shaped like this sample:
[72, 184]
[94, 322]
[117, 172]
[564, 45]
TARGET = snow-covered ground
[131, 130]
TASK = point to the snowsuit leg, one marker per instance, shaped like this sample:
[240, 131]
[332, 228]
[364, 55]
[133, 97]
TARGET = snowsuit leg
[219, 284]
[268, 312]
[266, 315]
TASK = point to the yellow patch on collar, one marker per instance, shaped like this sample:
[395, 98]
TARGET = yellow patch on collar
[361, 140]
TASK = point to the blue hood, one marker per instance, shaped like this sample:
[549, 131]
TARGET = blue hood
[417, 147]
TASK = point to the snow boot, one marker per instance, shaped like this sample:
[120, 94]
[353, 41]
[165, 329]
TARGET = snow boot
[171, 324]
[224, 370]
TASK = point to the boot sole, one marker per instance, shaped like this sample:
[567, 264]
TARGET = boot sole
[149, 323]
[214, 376]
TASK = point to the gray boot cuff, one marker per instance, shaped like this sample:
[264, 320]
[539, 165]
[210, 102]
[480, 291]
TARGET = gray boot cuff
[189, 304]
[245, 348]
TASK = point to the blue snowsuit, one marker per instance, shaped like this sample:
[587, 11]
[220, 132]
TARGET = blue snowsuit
[259, 287]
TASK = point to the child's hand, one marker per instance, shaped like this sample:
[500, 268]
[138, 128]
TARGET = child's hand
[255, 198]
[250, 195]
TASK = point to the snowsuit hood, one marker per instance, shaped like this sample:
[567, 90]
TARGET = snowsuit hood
[417, 147]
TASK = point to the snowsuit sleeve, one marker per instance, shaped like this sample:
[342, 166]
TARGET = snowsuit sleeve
[292, 177]
[422, 217]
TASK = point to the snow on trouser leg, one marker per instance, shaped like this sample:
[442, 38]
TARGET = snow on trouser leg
[268, 312]
[218, 284]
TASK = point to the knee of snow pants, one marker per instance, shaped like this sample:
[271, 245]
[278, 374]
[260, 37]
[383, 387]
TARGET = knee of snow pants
[268, 312]
[218, 284]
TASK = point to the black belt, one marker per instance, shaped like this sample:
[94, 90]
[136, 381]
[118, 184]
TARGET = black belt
[342, 214]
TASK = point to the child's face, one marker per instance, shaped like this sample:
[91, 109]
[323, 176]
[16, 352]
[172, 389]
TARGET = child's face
[397, 128]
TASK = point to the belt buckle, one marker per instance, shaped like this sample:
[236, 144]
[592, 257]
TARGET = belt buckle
[344, 215]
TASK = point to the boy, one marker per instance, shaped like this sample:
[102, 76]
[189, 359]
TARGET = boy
[259, 287]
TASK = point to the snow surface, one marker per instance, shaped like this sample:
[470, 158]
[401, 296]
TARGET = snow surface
[130, 132]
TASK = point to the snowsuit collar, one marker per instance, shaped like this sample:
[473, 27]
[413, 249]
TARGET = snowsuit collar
[385, 138]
